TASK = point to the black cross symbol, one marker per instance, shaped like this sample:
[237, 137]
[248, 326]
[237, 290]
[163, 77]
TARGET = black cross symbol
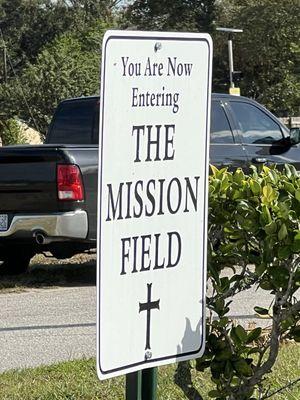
[150, 305]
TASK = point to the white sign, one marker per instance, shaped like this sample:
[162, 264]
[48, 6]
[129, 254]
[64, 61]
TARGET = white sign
[153, 173]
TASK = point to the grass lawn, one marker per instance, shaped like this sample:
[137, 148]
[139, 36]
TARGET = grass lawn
[76, 380]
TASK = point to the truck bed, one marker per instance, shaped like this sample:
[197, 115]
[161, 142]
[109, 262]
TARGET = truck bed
[28, 179]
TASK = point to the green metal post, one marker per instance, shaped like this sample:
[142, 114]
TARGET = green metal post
[134, 386]
[149, 384]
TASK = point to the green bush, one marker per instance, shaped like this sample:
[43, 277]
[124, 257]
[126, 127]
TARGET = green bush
[254, 229]
[11, 132]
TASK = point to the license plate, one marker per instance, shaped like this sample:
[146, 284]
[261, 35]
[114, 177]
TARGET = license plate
[3, 222]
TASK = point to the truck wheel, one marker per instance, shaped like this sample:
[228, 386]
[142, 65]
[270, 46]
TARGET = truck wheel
[15, 261]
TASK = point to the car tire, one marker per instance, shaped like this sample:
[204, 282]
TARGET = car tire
[15, 260]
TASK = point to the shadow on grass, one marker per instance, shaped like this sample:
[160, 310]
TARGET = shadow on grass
[54, 274]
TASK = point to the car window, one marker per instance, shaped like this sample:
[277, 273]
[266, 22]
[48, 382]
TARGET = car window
[256, 126]
[73, 122]
[220, 131]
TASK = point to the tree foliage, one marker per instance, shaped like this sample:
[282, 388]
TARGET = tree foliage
[68, 67]
[28, 26]
[172, 15]
[52, 47]
[267, 52]
[53, 53]
[11, 132]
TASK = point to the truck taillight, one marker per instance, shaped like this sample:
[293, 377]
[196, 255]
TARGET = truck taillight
[69, 183]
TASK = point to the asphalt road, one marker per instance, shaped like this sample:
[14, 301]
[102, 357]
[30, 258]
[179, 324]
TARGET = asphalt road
[45, 326]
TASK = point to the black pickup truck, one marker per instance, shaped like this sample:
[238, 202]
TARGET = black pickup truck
[48, 193]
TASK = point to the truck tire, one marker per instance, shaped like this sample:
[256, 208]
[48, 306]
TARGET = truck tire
[15, 260]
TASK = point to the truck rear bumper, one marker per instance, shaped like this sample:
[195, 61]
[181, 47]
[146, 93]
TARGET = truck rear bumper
[73, 225]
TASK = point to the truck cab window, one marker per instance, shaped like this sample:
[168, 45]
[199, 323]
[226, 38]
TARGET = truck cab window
[256, 126]
[73, 123]
[220, 128]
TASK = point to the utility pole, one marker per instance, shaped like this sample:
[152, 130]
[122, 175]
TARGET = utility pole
[230, 32]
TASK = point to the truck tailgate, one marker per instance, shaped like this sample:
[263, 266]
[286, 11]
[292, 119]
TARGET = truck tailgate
[28, 178]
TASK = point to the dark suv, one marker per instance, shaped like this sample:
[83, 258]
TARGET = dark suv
[244, 133]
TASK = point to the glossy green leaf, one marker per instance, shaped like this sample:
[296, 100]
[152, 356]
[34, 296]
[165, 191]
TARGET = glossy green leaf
[287, 323]
[269, 194]
[224, 355]
[289, 187]
[271, 228]
[241, 333]
[279, 276]
[214, 393]
[297, 194]
[255, 187]
[266, 216]
[265, 284]
[202, 365]
[228, 369]
[214, 170]
[295, 333]
[243, 368]
[234, 336]
[282, 233]
[288, 171]
[284, 252]
[261, 311]
[238, 176]
[284, 209]
[273, 176]
[254, 335]
[260, 269]
[219, 305]
[293, 171]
